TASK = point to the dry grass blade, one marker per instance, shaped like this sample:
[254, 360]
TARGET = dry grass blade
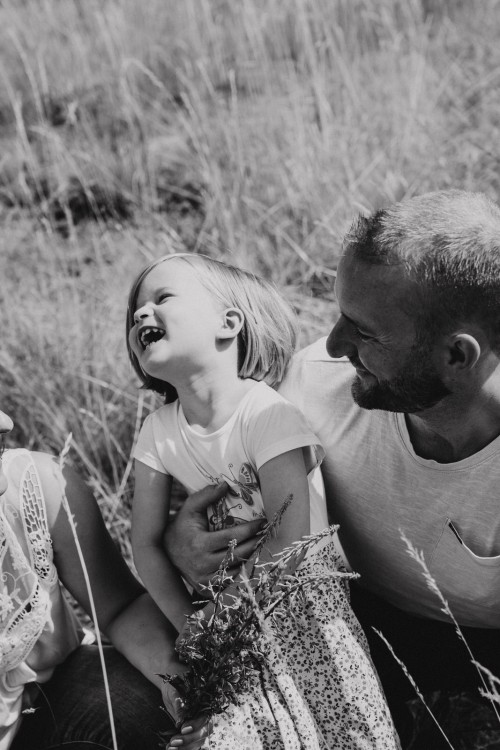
[67, 509]
[415, 686]
[431, 583]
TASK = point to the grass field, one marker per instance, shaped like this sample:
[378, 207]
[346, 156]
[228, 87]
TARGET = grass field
[251, 130]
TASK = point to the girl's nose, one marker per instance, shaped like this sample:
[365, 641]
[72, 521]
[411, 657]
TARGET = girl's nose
[143, 312]
[6, 423]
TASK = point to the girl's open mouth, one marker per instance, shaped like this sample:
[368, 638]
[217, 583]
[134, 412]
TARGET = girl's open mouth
[149, 334]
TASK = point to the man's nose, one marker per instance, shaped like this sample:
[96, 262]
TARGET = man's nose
[339, 342]
[6, 423]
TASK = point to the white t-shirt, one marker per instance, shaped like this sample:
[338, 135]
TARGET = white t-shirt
[264, 425]
[377, 487]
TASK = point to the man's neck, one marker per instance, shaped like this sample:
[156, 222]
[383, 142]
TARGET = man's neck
[448, 435]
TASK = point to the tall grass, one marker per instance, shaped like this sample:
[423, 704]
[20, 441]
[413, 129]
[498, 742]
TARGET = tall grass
[252, 130]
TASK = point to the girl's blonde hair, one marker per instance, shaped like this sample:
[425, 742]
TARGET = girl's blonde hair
[268, 337]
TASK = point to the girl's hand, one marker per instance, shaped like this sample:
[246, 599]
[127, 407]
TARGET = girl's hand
[192, 735]
[173, 703]
[172, 699]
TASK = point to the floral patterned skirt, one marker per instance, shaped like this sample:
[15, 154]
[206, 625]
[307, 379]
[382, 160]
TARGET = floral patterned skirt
[318, 688]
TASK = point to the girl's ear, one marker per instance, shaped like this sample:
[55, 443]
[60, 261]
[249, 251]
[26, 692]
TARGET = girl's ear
[232, 323]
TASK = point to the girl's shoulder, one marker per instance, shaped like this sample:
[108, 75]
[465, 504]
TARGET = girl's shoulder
[265, 393]
[164, 414]
[264, 400]
[261, 395]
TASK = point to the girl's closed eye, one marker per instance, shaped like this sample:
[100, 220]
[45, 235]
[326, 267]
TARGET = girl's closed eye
[163, 297]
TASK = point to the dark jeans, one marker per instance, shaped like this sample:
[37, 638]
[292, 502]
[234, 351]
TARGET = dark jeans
[71, 709]
[432, 652]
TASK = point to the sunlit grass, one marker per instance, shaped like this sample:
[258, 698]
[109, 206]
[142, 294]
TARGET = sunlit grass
[253, 130]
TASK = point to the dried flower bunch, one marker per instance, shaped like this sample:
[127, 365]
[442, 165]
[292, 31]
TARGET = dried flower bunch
[226, 651]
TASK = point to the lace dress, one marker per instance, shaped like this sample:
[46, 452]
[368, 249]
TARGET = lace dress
[37, 627]
[320, 691]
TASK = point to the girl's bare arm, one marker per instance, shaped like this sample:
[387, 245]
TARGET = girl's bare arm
[150, 515]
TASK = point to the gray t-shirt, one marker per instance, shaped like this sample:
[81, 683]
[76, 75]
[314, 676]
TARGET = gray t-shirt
[377, 488]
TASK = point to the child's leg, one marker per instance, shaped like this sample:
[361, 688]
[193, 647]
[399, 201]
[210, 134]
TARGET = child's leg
[320, 690]
[327, 653]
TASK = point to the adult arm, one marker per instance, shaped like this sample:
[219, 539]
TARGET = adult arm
[195, 550]
[125, 612]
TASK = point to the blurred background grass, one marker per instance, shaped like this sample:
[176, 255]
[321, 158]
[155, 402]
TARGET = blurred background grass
[251, 130]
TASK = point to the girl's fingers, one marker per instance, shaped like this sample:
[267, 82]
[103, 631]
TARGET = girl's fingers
[192, 735]
[173, 701]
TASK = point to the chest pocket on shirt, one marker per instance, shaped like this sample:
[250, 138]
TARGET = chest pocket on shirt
[470, 583]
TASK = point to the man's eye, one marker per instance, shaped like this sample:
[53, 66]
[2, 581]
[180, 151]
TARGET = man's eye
[364, 336]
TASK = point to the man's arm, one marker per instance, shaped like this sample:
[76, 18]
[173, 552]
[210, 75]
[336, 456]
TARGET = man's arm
[195, 550]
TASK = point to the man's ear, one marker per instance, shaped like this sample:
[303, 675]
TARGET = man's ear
[462, 352]
[232, 323]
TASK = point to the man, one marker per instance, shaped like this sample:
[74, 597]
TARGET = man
[412, 437]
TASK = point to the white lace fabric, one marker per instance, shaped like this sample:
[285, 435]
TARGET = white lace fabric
[37, 627]
[25, 580]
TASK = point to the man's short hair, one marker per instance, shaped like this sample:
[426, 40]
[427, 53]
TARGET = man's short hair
[449, 244]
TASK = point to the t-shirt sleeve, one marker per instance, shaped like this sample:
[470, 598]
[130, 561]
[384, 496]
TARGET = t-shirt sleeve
[275, 426]
[291, 387]
[146, 449]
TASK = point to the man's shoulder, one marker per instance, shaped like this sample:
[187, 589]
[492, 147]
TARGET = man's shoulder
[315, 359]
[316, 354]
[313, 373]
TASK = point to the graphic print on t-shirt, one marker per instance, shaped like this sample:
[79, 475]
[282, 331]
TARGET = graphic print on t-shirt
[243, 490]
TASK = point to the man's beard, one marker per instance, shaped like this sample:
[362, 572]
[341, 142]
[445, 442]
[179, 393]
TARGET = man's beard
[416, 387]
